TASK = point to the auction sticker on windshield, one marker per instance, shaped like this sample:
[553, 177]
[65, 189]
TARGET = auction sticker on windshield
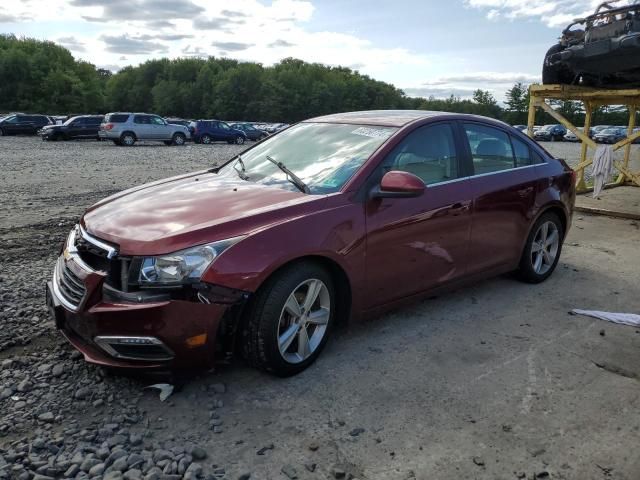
[373, 132]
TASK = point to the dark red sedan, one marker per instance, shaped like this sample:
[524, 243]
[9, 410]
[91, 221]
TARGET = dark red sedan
[333, 218]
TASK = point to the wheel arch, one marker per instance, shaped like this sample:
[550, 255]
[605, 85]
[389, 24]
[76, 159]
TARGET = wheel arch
[555, 207]
[130, 132]
[342, 283]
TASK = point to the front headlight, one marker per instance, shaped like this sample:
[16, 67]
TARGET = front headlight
[185, 266]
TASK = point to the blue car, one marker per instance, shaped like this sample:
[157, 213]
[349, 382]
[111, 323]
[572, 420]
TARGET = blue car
[208, 131]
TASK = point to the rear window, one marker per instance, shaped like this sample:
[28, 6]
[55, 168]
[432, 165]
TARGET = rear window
[116, 118]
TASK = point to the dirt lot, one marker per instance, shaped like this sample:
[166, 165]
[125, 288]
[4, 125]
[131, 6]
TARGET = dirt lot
[496, 381]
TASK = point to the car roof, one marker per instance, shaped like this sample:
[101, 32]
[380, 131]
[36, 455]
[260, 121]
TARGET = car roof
[393, 118]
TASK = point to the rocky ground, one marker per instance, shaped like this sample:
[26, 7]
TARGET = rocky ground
[494, 381]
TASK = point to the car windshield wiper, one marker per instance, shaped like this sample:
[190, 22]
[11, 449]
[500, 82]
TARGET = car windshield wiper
[292, 177]
[241, 173]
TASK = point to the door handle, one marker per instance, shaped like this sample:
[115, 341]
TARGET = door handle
[458, 208]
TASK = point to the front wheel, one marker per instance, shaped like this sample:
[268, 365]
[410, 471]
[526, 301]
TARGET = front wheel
[239, 140]
[205, 139]
[542, 250]
[290, 320]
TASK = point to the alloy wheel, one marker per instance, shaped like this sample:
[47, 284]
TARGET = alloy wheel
[303, 321]
[544, 249]
[128, 140]
[240, 140]
[206, 139]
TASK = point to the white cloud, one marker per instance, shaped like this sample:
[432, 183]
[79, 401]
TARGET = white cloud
[554, 13]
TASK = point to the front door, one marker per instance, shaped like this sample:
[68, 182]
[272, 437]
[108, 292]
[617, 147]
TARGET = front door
[504, 187]
[159, 128]
[414, 244]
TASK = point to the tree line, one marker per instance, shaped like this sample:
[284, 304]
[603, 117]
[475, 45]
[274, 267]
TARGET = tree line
[42, 77]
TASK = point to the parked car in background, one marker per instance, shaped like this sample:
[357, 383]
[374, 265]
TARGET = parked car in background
[178, 121]
[250, 131]
[209, 131]
[520, 127]
[597, 129]
[127, 128]
[610, 135]
[551, 133]
[23, 124]
[572, 137]
[336, 217]
[80, 127]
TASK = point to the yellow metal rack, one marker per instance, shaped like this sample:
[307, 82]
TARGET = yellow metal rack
[592, 98]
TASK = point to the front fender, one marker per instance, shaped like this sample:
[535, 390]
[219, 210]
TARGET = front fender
[337, 233]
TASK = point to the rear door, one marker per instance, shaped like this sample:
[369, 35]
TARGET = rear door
[504, 187]
[414, 244]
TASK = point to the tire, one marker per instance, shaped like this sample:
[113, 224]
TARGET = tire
[239, 140]
[127, 139]
[555, 74]
[1, 132]
[178, 139]
[265, 342]
[205, 139]
[535, 266]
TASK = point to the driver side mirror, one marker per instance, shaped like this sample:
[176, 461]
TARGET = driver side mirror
[398, 184]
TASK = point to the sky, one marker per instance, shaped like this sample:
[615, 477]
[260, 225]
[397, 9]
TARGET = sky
[425, 47]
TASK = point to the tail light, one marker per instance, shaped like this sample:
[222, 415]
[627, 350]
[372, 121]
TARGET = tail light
[107, 126]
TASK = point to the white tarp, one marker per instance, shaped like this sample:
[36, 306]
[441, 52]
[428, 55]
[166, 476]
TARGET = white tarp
[621, 318]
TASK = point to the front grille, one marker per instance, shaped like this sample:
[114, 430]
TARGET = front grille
[100, 259]
[70, 286]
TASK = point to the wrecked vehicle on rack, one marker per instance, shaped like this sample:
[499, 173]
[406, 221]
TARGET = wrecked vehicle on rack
[601, 50]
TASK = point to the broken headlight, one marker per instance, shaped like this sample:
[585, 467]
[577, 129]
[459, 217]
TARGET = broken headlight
[185, 266]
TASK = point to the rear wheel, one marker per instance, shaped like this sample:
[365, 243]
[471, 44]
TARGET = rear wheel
[290, 319]
[127, 139]
[542, 250]
[179, 139]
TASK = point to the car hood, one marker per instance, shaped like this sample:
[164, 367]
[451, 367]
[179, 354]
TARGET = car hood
[180, 212]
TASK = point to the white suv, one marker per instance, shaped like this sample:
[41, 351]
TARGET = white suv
[127, 128]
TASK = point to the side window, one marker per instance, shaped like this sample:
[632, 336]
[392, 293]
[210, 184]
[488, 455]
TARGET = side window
[428, 152]
[522, 153]
[490, 148]
[13, 119]
[536, 157]
[141, 119]
[223, 126]
[157, 121]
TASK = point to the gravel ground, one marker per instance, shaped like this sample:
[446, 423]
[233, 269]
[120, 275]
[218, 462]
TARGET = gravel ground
[494, 381]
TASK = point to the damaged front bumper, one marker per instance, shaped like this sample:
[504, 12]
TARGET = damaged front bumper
[144, 329]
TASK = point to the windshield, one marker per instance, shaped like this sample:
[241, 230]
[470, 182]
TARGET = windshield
[323, 155]
[610, 131]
